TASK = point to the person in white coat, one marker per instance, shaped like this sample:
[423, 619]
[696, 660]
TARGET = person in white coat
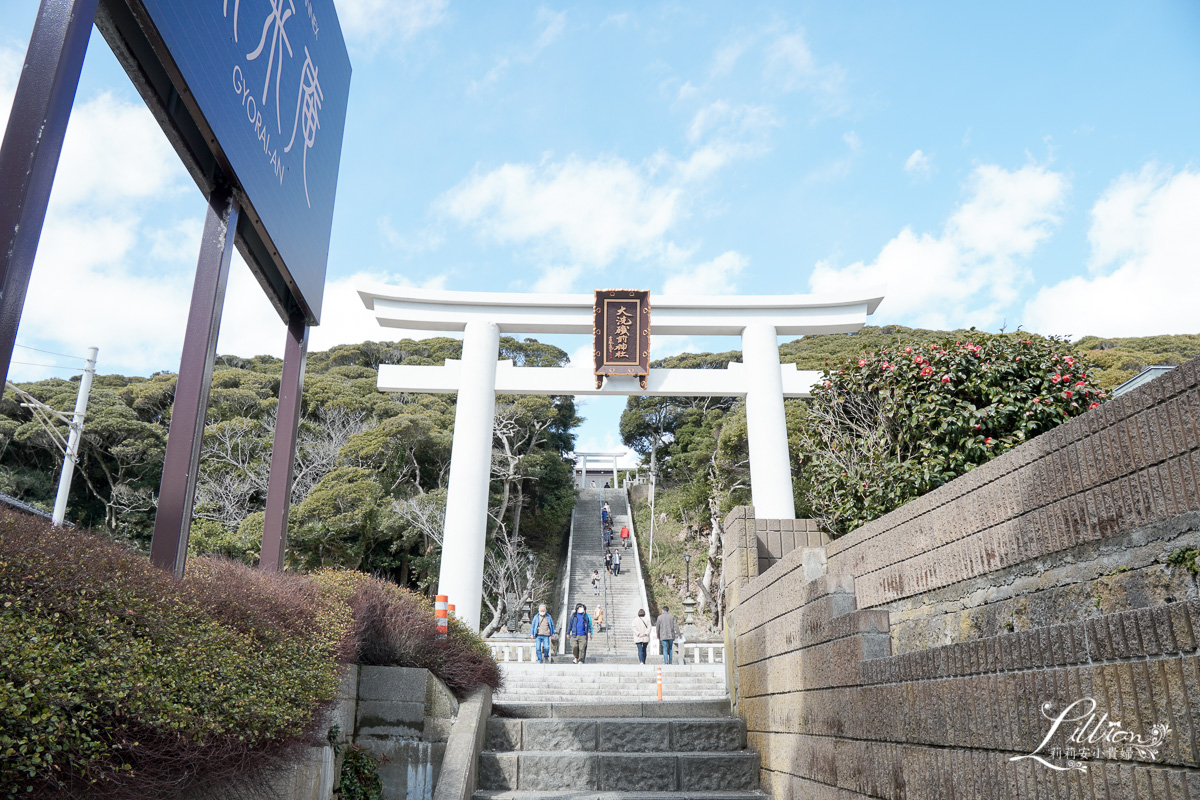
[641, 634]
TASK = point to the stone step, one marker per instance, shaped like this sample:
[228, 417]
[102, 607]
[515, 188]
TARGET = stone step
[630, 709]
[550, 770]
[638, 735]
[752, 794]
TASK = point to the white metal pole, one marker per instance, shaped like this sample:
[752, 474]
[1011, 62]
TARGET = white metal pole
[72, 454]
[650, 559]
[614, 483]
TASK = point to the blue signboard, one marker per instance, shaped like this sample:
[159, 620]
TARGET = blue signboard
[271, 80]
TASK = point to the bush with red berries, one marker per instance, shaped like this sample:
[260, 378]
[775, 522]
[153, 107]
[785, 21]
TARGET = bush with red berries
[889, 426]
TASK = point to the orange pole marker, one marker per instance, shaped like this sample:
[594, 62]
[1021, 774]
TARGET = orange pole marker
[440, 611]
[659, 671]
[450, 609]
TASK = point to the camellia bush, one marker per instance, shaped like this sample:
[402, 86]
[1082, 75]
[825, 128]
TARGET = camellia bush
[890, 426]
[119, 681]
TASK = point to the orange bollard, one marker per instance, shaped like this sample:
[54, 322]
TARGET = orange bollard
[659, 671]
[450, 610]
[439, 611]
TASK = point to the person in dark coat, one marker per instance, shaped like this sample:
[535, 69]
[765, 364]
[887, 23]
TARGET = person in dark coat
[668, 631]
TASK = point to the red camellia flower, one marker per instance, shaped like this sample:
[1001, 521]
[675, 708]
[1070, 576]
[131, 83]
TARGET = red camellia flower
[988, 441]
[1080, 385]
[827, 384]
[1093, 405]
[1069, 360]
[1056, 378]
[908, 349]
[926, 371]
[862, 362]
[945, 379]
[1068, 394]
[885, 365]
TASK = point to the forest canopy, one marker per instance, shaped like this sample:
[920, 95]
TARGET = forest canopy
[370, 473]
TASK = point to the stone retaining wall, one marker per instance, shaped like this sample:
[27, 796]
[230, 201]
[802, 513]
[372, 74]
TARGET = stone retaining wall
[915, 657]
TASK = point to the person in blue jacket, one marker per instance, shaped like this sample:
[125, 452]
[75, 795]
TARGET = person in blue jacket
[580, 629]
[541, 629]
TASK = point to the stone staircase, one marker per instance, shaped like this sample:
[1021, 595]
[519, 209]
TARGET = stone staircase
[574, 752]
[561, 682]
[620, 595]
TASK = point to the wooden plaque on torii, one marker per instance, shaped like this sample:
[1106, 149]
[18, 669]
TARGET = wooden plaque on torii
[621, 334]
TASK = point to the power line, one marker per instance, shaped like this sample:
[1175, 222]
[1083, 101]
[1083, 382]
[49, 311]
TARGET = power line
[51, 366]
[48, 352]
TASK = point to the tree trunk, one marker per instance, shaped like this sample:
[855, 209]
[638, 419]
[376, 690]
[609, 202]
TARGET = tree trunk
[497, 618]
[715, 548]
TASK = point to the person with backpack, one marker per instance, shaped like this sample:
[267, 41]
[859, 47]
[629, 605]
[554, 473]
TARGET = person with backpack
[604, 516]
[608, 559]
[641, 634]
[625, 536]
[596, 582]
[541, 629]
[580, 629]
[608, 534]
[617, 563]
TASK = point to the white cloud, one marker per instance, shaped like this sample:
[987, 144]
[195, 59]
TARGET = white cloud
[728, 54]
[919, 165]
[97, 252]
[715, 277]
[686, 91]
[791, 66]
[973, 269]
[729, 122]
[852, 141]
[552, 23]
[375, 23]
[10, 71]
[1144, 273]
[662, 346]
[558, 279]
[591, 212]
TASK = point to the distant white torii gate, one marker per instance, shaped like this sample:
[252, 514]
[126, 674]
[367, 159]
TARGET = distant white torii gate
[480, 376]
[583, 461]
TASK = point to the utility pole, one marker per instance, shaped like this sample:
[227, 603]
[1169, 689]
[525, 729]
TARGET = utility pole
[71, 454]
[650, 560]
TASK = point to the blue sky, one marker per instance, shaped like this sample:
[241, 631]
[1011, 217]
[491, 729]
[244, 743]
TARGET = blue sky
[1019, 164]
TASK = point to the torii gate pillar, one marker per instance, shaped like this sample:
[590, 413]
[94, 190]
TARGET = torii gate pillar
[465, 534]
[766, 425]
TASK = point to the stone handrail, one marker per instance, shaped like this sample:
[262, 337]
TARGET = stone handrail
[513, 649]
[562, 617]
[459, 776]
[703, 652]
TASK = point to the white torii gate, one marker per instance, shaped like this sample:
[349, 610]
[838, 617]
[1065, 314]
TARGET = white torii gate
[584, 460]
[480, 376]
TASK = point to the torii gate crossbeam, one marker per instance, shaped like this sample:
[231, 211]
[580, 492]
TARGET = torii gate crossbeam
[479, 376]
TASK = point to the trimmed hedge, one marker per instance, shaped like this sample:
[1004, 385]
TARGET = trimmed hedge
[395, 627]
[118, 681]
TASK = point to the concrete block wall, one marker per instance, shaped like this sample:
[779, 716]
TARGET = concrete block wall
[778, 537]
[986, 578]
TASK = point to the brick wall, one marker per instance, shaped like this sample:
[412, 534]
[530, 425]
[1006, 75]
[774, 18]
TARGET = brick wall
[838, 710]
